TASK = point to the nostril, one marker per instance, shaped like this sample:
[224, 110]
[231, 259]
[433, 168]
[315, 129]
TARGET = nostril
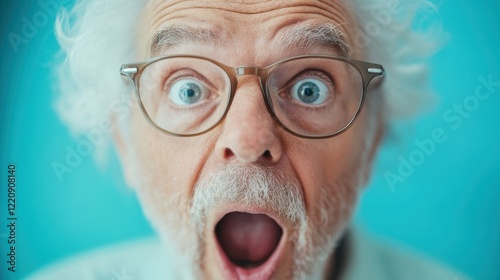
[228, 153]
[267, 155]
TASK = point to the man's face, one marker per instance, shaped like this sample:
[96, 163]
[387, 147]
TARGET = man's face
[247, 199]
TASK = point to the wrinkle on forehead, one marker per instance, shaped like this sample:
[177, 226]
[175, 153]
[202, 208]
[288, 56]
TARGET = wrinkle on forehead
[157, 11]
[244, 18]
[243, 7]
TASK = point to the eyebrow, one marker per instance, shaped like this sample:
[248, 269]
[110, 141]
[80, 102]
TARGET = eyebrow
[307, 35]
[171, 36]
[301, 35]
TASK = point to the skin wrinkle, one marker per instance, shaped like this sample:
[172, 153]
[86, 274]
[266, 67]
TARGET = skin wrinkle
[297, 16]
[164, 8]
[173, 12]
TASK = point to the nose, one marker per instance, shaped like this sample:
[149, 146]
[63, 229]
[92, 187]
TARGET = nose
[249, 132]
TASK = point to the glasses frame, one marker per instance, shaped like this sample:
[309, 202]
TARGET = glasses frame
[367, 70]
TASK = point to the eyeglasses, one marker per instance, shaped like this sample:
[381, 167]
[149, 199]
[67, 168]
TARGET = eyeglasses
[310, 96]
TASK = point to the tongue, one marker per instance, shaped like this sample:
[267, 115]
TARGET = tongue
[248, 239]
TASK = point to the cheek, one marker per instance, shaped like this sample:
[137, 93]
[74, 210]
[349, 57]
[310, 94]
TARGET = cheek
[330, 169]
[166, 167]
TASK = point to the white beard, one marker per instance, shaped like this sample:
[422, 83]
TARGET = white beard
[182, 223]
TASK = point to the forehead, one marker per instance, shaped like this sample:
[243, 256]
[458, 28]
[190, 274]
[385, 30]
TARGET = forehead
[251, 24]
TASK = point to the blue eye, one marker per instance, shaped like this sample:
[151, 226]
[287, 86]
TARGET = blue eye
[310, 91]
[186, 92]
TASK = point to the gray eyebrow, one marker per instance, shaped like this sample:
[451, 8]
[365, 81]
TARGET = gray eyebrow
[300, 35]
[170, 36]
[307, 35]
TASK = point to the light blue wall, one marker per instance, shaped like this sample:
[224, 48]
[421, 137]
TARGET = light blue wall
[446, 207]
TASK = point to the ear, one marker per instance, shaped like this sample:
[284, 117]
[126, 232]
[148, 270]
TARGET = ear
[123, 147]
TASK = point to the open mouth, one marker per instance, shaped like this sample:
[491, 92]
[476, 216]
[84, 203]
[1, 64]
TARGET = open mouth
[249, 245]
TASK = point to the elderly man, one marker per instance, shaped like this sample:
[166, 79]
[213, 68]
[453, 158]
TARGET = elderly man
[251, 131]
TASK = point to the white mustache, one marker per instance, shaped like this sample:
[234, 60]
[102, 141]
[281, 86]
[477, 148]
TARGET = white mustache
[248, 186]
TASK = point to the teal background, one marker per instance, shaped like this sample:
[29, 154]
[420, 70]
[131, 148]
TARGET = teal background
[447, 208]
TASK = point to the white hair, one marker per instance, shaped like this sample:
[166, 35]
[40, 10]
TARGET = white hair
[98, 36]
